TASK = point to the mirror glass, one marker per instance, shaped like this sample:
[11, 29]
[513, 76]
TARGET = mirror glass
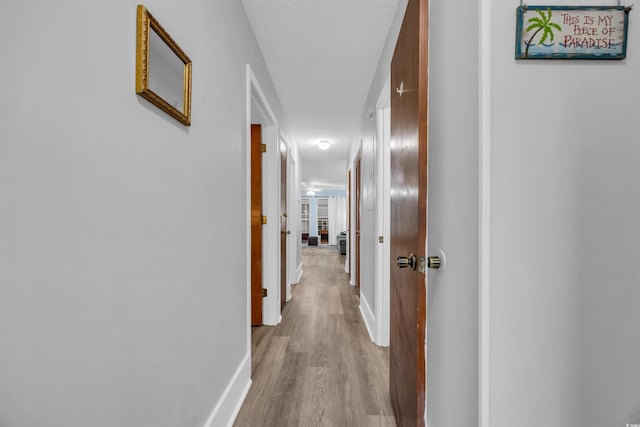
[166, 72]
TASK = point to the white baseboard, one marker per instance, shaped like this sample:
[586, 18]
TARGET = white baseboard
[299, 273]
[367, 316]
[227, 408]
[269, 314]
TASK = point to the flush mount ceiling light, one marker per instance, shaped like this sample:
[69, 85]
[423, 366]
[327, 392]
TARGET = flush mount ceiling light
[324, 144]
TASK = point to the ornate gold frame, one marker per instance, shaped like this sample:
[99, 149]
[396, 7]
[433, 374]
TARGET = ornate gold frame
[147, 22]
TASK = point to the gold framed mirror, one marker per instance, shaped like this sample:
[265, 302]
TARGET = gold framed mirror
[163, 70]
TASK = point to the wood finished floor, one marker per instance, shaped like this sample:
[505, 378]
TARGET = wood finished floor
[318, 367]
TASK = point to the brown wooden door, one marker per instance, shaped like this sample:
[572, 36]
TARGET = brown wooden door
[256, 225]
[283, 223]
[409, 215]
[358, 214]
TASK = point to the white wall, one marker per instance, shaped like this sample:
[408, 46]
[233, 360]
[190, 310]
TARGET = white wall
[368, 226]
[122, 300]
[295, 240]
[367, 141]
[564, 232]
[452, 311]
[294, 244]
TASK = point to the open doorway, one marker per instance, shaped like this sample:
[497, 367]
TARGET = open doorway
[262, 258]
[323, 221]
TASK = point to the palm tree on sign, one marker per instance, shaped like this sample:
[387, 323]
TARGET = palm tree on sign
[544, 24]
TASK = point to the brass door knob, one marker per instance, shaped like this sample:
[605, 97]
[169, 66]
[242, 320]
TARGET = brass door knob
[404, 262]
[434, 262]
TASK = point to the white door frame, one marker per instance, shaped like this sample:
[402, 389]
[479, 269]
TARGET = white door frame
[292, 222]
[383, 215]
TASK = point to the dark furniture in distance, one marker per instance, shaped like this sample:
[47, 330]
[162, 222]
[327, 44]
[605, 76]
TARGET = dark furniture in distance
[313, 241]
[342, 243]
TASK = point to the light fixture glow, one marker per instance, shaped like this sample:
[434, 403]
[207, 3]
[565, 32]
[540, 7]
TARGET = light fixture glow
[324, 144]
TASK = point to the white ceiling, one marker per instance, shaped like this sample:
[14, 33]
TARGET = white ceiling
[322, 56]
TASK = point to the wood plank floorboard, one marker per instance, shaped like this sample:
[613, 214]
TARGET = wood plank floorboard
[318, 367]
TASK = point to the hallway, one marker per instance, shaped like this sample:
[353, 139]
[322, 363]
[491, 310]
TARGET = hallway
[318, 367]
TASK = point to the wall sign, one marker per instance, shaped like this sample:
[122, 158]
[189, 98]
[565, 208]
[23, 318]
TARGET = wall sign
[571, 32]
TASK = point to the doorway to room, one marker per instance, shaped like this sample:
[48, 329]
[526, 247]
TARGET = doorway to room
[267, 248]
[323, 221]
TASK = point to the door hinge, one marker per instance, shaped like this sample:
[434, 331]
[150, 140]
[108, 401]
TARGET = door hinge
[264, 293]
[264, 219]
[380, 239]
[263, 148]
[422, 264]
